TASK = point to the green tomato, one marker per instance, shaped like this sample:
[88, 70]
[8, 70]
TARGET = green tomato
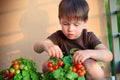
[12, 70]
[25, 67]
[17, 71]
[22, 66]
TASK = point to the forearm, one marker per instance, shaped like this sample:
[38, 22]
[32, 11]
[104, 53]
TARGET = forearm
[103, 55]
[99, 53]
[40, 46]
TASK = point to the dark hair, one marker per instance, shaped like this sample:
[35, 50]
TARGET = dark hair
[73, 9]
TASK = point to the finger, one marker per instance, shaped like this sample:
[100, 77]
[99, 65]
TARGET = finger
[60, 53]
[53, 52]
[83, 59]
[79, 59]
[57, 53]
[49, 52]
[74, 59]
[74, 56]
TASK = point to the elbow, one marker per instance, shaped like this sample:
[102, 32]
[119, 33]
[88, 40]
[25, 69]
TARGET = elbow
[36, 48]
[110, 57]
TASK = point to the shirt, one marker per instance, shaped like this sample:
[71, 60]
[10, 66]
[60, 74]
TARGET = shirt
[87, 40]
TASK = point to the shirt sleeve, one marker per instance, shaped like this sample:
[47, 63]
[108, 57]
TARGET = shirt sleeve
[93, 41]
[54, 38]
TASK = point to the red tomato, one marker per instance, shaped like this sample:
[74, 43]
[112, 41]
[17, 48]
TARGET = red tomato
[74, 69]
[60, 63]
[84, 72]
[49, 64]
[80, 74]
[16, 66]
[15, 62]
[78, 66]
[6, 75]
[55, 67]
[11, 75]
[82, 68]
[50, 69]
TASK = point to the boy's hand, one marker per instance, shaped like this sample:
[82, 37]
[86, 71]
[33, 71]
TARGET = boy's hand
[54, 50]
[80, 56]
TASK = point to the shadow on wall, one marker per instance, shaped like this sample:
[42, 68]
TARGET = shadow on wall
[33, 24]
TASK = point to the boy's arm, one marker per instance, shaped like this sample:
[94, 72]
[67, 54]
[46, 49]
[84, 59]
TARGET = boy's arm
[48, 46]
[99, 53]
[102, 53]
[41, 45]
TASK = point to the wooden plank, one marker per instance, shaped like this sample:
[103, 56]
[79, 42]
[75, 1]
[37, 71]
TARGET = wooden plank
[114, 30]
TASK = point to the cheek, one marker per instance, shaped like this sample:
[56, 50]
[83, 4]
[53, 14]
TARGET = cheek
[64, 29]
[79, 30]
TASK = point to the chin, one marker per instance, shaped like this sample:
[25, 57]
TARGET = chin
[71, 38]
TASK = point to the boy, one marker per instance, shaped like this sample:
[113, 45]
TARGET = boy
[73, 15]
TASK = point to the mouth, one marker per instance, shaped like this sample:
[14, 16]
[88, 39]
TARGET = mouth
[70, 35]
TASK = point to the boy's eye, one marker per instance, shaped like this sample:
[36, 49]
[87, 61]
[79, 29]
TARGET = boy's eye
[76, 24]
[65, 23]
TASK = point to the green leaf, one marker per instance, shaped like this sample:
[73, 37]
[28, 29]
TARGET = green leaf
[67, 66]
[26, 78]
[25, 73]
[67, 59]
[48, 75]
[81, 78]
[71, 75]
[17, 77]
[3, 71]
[34, 75]
[29, 63]
[1, 77]
[58, 74]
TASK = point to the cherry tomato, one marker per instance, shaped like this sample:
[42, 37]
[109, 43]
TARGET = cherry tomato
[12, 70]
[16, 66]
[17, 71]
[49, 64]
[50, 69]
[84, 72]
[80, 74]
[15, 62]
[55, 67]
[10, 75]
[82, 68]
[22, 66]
[60, 63]
[25, 68]
[6, 75]
[78, 66]
[74, 69]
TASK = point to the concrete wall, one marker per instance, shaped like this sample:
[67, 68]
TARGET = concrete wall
[23, 22]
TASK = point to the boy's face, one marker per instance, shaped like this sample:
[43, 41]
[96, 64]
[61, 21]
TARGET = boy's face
[72, 29]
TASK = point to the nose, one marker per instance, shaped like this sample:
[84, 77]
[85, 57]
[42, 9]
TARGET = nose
[71, 27]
